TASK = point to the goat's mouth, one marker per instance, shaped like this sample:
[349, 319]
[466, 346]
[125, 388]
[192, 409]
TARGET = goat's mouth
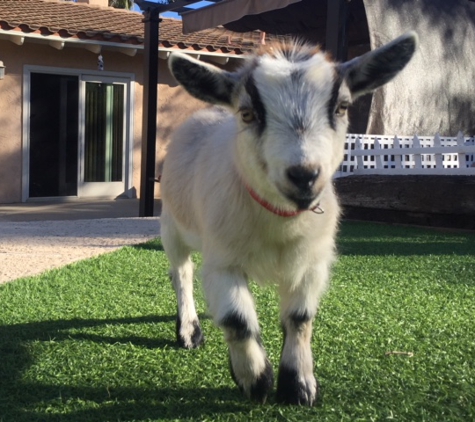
[302, 199]
[303, 202]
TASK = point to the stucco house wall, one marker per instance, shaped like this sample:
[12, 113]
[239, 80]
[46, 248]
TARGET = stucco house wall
[10, 126]
[174, 105]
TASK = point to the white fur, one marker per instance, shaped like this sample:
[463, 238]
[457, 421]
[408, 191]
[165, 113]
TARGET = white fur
[207, 207]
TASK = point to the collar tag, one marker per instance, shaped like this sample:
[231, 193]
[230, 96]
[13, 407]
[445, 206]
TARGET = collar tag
[318, 209]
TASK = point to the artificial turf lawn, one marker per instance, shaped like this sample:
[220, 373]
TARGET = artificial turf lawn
[95, 341]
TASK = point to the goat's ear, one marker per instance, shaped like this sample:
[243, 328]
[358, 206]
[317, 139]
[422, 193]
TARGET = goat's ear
[371, 70]
[203, 81]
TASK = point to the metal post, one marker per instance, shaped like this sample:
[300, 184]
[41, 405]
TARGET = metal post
[149, 125]
[336, 36]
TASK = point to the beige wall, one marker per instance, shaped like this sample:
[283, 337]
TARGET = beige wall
[10, 126]
[174, 104]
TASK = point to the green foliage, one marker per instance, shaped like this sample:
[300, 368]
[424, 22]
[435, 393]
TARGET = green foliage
[94, 341]
[121, 4]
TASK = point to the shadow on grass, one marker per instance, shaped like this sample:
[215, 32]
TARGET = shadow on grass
[115, 404]
[358, 238]
[18, 396]
[154, 245]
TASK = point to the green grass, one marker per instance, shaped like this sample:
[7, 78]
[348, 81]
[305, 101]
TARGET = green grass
[94, 341]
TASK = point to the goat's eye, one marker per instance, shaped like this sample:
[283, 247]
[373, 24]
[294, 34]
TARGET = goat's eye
[247, 115]
[342, 108]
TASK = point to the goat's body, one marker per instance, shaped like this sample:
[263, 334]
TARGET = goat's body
[203, 193]
[241, 184]
[206, 207]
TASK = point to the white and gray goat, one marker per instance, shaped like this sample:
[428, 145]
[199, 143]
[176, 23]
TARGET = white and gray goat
[249, 184]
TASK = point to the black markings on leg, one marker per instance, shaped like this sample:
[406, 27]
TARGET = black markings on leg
[291, 390]
[299, 318]
[196, 338]
[296, 384]
[236, 327]
[238, 333]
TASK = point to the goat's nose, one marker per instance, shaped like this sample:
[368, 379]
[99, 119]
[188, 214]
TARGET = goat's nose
[302, 177]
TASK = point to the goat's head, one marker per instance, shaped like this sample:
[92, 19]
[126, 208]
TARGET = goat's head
[290, 103]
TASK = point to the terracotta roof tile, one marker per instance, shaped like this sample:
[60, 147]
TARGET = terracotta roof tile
[70, 17]
[67, 19]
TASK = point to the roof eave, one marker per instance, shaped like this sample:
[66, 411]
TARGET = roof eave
[96, 46]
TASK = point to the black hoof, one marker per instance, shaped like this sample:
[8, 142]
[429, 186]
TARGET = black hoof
[260, 389]
[291, 390]
[263, 385]
[192, 341]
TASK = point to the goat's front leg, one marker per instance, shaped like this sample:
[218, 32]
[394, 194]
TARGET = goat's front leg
[296, 382]
[233, 310]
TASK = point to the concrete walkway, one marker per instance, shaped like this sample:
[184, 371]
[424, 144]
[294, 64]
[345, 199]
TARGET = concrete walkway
[72, 210]
[36, 237]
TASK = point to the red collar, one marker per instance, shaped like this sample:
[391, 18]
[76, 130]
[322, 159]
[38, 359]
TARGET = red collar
[278, 211]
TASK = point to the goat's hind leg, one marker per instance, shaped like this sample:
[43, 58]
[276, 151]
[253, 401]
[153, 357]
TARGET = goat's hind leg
[188, 330]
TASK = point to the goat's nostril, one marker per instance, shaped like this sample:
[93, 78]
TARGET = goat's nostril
[302, 177]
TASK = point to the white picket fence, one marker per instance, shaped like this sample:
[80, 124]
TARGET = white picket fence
[386, 155]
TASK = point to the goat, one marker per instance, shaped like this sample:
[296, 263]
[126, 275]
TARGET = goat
[249, 184]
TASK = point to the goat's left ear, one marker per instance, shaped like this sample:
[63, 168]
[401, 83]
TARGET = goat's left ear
[203, 81]
[371, 70]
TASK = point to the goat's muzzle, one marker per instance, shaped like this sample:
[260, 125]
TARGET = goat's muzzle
[303, 180]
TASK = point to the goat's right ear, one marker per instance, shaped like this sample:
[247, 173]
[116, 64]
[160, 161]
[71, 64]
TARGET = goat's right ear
[203, 81]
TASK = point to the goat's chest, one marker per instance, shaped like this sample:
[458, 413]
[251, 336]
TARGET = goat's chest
[267, 249]
[271, 257]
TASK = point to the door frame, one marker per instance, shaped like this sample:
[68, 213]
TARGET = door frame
[83, 76]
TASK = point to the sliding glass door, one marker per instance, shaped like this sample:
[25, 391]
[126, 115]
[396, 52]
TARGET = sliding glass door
[104, 138]
[104, 132]
[53, 141]
[78, 138]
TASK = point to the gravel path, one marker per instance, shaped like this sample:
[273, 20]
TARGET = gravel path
[30, 248]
